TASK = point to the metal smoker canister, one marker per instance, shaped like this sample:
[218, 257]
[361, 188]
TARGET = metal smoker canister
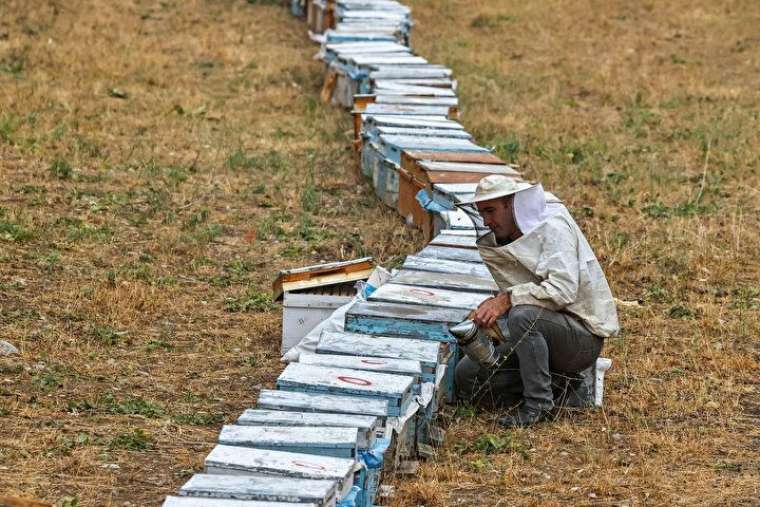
[475, 344]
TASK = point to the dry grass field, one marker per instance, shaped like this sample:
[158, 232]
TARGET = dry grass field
[160, 161]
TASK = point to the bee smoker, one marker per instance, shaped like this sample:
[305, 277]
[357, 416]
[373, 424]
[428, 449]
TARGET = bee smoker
[475, 343]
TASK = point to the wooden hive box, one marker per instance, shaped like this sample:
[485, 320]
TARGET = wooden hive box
[454, 240]
[312, 293]
[319, 402]
[322, 441]
[410, 320]
[451, 253]
[431, 296]
[406, 367]
[188, 501]
[233, 460]
[413, 177]
[428, 353]
[320, 492]
[367, 425]
[452, 281]
[433, 265]
[395, 390]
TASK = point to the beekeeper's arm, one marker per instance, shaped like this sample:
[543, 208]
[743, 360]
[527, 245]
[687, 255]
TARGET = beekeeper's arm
[557, 265]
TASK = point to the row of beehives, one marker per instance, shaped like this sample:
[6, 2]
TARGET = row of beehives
[368, 397]
[337, 419]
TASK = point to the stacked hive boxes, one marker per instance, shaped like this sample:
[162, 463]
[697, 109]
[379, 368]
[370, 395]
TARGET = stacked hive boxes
[368, 397]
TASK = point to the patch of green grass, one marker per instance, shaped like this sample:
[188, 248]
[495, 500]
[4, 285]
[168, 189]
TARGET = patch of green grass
[308, 232]
[491, 21]
[199, 418]
[61, 169]
[660, 210]
[48, 380]
[490, 443]
[12, 230]
[13, 63]
[136, 440]
[250, 301]
[508, 149]
[159, 344]
[269, 162]
[8, 125]
[108, 335]
[132, 405]
[311, 199]
[679, 311]
[745, 298]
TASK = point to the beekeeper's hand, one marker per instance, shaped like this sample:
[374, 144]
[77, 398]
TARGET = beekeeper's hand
[491, 309]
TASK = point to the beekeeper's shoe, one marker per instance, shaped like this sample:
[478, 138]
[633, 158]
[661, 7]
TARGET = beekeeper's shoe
[524, 416]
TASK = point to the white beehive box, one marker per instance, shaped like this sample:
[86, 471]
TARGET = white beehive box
[312, 293]
[303, 311]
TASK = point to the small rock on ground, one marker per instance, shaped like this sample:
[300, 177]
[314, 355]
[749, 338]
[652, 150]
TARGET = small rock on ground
[6, 349]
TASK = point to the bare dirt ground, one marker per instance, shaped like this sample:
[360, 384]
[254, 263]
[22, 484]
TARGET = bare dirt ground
[160, 161]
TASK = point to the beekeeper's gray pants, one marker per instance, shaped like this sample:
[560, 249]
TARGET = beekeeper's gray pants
[541, 342]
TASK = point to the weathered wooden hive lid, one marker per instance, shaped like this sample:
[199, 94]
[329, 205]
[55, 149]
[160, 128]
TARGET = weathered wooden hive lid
[409, 71]
[451, 253]
[385, 59]
[434, 165]
[403, 110]
[368, 363]
[424, 132]
[407, 312]
[281, 463]
[343, 380]
[456, 281]
[457, 240]
[264, 437]
[412, 121]
[319, 402]
[274, 489]
[366, 47]
[396, 98]
[437, 265]
[383, 87]
[259, 417]
[445, 298]
[430, 143]
[189, 501]
[427, 352]
[322, 275]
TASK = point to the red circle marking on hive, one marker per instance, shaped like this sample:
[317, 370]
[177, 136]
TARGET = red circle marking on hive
[303, 464]
[355, 381]
[422, 292]
[374, 361]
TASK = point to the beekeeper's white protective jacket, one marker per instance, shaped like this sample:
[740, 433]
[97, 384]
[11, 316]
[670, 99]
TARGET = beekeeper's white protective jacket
[551, 265]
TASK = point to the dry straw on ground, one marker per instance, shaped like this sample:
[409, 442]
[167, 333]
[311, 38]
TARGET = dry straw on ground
[160, 161]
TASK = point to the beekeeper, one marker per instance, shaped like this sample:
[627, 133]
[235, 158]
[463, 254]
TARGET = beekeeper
[554, 306]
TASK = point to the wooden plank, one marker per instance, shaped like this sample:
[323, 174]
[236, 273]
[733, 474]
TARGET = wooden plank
[424, 132]
[324, 280]
[455, 240]
[398, 293]
[383, 98]
[430, 143]
[393, 319]
[417, 263]
[187, 501]
[428, 353]
[367, 425]
[324, 441]
[274, 489]
[339, 271]
[406, 367]
[230, 460]
[319, 402]
[402, 110]
[395, 88]
[306, 377]
[432, 165]
[409, 72]
[453, 281]
[450, 253]
[411, 122]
